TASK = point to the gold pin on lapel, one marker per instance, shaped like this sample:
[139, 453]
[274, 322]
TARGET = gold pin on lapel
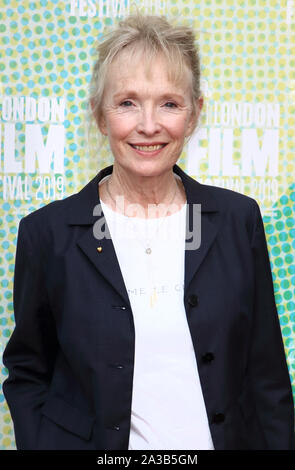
[99, 249]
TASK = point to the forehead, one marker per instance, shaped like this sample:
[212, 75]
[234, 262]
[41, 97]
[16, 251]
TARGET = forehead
[134, 68]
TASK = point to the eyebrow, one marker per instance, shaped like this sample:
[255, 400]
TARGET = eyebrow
[133, 94]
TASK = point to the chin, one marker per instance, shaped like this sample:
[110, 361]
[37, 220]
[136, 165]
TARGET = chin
[151, 168]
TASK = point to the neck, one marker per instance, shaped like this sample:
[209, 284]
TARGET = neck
[164, 191]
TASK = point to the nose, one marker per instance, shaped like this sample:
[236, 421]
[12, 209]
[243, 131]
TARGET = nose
[148, 120]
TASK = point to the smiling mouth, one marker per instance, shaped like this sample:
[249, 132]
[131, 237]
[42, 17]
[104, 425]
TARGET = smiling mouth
[148, 148]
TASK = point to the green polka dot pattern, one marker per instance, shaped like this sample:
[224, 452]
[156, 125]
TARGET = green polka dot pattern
[280, 234]
[248, 55]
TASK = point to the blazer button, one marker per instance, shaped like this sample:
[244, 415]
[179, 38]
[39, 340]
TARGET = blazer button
[117, 366]
[208, 357]
[116, 428]
[218, 418]
[193, 300]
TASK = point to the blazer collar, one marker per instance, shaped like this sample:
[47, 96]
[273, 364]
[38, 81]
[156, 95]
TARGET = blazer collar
[81, 209]
[80, 212]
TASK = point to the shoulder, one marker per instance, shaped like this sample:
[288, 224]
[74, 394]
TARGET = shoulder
[51, 224]
[233, 202]
[216, 198]
[38, 230]
[227, 199]
[237, 211]
[54, 212]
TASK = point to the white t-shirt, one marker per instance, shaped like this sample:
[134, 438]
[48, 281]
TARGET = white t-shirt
[168, 410]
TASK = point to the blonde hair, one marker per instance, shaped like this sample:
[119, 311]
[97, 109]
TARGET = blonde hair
[149, 35]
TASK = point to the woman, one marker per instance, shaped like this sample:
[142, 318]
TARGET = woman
[168, 339]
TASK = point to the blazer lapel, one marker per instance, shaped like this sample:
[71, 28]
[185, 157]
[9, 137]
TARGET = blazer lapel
[105, 260]
[85, 210]
[199, 201]
[101, 252]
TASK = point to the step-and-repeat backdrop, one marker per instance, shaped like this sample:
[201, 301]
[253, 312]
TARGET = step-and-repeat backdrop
[245, 141]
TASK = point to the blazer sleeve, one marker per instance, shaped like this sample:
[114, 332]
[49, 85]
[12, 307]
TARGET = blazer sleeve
[268, 371]
[31, 350]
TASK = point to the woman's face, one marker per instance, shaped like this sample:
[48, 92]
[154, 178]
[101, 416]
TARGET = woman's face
[146, 119]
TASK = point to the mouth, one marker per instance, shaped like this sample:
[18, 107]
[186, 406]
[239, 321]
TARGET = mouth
[148, 148]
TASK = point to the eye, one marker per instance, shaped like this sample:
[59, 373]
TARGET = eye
[126, 103]
[170, 104]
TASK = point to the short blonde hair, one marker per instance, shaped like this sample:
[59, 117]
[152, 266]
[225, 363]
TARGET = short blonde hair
[150, 35]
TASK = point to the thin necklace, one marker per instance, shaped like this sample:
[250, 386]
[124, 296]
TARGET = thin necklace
[147, 246]
[150, 267]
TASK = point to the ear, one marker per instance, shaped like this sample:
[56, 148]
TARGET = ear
[102, 124]
[195, 117]
[99, 118]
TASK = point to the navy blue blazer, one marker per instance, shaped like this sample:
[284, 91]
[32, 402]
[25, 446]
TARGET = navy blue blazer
[71, 355]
